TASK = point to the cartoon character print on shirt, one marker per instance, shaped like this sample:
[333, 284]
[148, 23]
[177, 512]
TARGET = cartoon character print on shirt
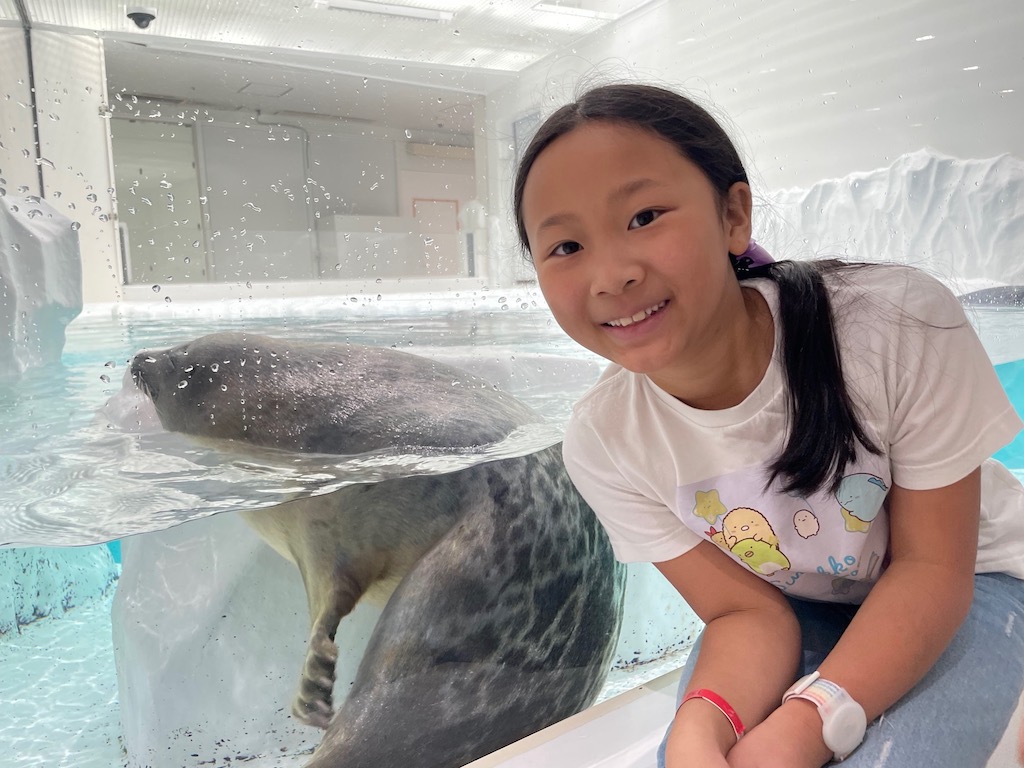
[748, 535]
[806, 523]
[824, 545]
[860, 498]
[709, 506]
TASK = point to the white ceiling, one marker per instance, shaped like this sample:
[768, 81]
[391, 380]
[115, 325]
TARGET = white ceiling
[416, 74]
[175, 82]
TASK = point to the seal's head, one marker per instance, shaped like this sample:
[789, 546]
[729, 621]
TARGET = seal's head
[221, 385]
[328, 398]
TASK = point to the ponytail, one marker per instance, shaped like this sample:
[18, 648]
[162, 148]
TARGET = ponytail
[824, 427]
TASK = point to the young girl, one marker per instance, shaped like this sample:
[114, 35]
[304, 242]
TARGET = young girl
[801, 448]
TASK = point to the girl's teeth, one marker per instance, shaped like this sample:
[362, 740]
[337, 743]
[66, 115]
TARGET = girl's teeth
[642, 314]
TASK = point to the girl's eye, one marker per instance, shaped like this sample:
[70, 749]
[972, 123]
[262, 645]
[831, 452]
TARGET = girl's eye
[566, 249]
[643, 218]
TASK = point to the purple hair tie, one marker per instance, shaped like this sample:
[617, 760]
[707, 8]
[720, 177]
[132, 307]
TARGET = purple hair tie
[755, 256]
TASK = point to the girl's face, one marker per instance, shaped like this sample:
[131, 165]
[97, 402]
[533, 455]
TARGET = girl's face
[631, 249]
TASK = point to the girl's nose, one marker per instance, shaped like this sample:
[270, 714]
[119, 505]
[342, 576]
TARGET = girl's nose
[616, 275]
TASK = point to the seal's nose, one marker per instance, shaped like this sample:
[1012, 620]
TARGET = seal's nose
[143, 367]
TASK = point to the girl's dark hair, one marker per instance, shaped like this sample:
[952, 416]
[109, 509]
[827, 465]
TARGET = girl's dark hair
[824, 428]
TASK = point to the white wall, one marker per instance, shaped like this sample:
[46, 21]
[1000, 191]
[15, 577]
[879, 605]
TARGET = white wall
[275, 191]
[814, 89]
[440, 178]
[75, 151]
[17, 153]
[155, 169]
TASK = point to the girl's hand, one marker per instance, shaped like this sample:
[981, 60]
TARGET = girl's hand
[694, 758]
[789, 738]
[699, 738]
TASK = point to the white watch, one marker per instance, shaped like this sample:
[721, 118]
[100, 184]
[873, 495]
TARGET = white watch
[843, 721]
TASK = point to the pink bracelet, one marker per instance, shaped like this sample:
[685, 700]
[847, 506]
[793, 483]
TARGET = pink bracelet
[721, 704]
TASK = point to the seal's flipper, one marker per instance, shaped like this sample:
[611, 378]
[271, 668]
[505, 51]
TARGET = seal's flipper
[313, 701]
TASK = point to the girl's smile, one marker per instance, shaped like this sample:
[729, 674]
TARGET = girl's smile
[631, 245]
[638, 317]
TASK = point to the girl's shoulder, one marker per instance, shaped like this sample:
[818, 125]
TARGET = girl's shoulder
[616, 390]
[610, 384]
[893, 292]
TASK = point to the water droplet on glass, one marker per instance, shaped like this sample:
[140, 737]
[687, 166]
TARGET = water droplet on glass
[182, 384]
[167, 299]
[408, 133]
[91, 197]
[156, 289]
[104, 378]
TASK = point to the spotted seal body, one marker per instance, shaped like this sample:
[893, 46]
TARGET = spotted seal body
[1000, 296]
[508, 600]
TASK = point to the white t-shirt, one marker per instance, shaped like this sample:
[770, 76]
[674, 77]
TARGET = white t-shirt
[663, 476]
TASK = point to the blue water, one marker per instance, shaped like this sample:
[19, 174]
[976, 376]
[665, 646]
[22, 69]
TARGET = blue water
[1012, 377]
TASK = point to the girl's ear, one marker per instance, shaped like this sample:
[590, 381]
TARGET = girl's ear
[738, 205]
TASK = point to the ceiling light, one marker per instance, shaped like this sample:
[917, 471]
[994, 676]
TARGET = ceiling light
[385, 9]
[605, 10]
[570, 10]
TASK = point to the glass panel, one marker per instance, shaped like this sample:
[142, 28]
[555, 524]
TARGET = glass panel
[329, 173]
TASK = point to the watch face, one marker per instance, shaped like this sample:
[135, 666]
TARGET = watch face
[844, 730]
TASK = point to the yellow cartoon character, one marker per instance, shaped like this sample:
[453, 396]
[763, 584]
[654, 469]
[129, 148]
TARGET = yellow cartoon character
[750, 537]
[746, 523]
[760, 556]
[708, 505]
[718, 537]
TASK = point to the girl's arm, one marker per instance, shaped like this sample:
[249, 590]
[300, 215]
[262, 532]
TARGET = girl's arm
[748, 656]
[904, 625]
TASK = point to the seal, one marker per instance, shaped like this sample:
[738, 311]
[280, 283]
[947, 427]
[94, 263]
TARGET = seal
[999, 296]
[508, 601]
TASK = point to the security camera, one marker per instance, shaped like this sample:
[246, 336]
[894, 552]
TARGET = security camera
[141, 16]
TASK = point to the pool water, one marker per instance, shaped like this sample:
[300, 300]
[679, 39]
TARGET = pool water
[64, 485]
[1012, 377]
[76, 473]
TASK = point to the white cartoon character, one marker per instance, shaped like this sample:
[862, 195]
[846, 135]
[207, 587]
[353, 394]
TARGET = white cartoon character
[806, 523]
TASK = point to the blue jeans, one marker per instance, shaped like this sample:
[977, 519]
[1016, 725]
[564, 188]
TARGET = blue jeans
[956, 715]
